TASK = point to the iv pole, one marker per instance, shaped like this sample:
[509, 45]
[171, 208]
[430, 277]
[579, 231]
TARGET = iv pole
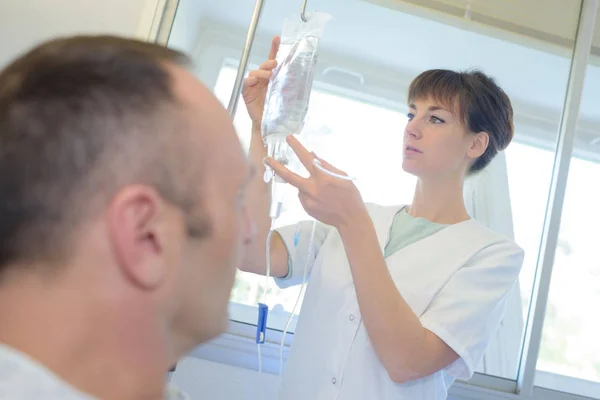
[239, 79]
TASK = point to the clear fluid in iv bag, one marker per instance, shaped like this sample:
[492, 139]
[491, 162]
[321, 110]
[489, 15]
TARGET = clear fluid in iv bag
[278, 149]
[288, 95]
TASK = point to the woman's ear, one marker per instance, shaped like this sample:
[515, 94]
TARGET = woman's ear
[479, 144]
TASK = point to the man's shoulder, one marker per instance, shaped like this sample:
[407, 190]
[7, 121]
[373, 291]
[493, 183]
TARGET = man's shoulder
[173, 393]
[21, 378]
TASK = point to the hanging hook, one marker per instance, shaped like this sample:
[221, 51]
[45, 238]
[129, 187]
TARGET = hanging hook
[468, 10]
[303, 12]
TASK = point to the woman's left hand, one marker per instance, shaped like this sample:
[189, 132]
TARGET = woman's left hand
[331, 200]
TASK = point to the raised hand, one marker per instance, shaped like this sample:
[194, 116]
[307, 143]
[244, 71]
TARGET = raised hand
[255, 86]
[333, 201]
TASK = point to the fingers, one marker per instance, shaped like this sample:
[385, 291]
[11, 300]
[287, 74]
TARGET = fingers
[256, 77]
[274, 47]
[265, 71]
[268, 65]
[328, 166]
[250, 81]
[305, 156]
[261, 75]
[287, 175]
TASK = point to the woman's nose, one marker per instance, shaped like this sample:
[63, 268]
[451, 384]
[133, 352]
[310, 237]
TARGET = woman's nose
[413, 129]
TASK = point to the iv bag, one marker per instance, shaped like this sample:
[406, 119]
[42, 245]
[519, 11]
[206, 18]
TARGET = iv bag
[289, 89]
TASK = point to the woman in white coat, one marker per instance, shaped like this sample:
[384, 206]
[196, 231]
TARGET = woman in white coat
[401, 300]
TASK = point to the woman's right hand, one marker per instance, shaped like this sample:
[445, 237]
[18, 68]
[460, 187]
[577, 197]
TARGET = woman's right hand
[255, 86]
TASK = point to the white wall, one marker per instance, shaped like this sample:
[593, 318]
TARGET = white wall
[24, 23]
[209, 380]
[203, 379]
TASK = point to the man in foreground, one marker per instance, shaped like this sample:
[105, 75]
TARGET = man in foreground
[121, 218]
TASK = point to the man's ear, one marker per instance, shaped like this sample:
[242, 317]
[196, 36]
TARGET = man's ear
[479, 144]
[134, 219]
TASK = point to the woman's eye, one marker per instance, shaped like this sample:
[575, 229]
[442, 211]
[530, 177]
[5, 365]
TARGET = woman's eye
[410, 116]
[436, 120]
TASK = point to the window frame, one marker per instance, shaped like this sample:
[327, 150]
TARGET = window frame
[237, 346]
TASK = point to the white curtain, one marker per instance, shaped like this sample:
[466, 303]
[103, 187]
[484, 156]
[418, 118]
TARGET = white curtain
[487, 197]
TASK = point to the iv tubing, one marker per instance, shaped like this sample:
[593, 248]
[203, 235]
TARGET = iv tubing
[321, 168]
[274, 214]
[302, 288]
[267, 276]
[268, 256]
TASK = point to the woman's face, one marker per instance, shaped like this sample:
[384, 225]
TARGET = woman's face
[436, 142]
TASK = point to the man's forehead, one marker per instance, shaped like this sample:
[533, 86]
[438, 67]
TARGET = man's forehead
[210, 126]
[188, 89]
[207, 118]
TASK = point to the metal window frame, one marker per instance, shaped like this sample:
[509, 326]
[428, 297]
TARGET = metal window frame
[558, 185]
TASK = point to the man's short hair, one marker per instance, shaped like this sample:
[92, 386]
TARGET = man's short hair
[81, 117]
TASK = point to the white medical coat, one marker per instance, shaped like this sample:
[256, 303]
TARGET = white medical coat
[456, 281]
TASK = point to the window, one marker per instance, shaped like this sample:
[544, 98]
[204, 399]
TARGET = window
[570, 342]
[529, 174]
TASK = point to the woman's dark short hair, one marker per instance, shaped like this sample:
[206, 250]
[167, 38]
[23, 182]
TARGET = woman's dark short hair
[482, 105]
